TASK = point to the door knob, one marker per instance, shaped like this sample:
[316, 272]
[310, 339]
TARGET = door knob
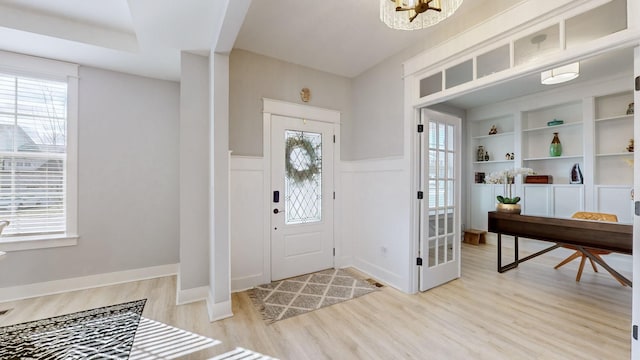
[276, 211]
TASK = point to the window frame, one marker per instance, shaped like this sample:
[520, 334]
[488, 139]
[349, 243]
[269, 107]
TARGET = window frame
[46, 69]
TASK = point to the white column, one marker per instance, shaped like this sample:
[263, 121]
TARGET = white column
[219, 303]
[193, 276]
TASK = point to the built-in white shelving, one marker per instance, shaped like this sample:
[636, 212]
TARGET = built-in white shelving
[481, 137]
[493, 162]
[554, 127]
[554, 158]
[624, 154]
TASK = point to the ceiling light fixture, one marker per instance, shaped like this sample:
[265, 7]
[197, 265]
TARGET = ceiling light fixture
[403, 14]
[560, 74]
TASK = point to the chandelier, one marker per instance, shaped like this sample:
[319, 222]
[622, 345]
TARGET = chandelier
[415, 14]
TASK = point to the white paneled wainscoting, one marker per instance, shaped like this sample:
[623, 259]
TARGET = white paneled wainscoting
[249, 249]
[375, 219]
[371, 221]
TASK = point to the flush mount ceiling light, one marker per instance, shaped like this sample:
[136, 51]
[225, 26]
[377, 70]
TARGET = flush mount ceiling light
[403, 14]
[560, 74]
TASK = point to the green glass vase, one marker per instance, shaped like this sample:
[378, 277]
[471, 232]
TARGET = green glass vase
[556, 147]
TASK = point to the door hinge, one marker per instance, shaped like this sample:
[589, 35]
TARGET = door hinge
[334, 195]
[420, 195]
[635, 332]
[420, 128]
[637, 204]
[637, 83]
[419, 261]
[334, 139]
[334, 251]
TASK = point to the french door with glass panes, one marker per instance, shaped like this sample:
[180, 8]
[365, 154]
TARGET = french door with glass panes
[440, 207]
[302, 196]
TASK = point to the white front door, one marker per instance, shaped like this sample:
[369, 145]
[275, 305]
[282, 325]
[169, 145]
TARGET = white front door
[440, 206]
[302, 196]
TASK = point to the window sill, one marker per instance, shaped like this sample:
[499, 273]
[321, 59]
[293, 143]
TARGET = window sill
[9, 244]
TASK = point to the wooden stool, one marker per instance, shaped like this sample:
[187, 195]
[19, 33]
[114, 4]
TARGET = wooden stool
[475, 237]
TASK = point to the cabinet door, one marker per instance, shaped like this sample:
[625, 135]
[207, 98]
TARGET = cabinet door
[615, 200]
[567, 200]
[482, 201]
[536, 200]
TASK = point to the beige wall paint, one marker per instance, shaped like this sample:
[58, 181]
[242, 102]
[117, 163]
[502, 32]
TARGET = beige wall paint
[127, 182]
[253, 77]
[378, 93]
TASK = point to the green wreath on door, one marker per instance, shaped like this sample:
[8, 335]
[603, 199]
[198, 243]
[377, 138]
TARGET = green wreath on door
[309, 168]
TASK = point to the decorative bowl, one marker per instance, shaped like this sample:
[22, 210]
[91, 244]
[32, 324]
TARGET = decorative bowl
[508, 208]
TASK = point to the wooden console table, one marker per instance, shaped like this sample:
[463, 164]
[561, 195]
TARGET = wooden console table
[579, 233]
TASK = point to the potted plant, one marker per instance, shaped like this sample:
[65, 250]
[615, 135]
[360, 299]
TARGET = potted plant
[507, 202]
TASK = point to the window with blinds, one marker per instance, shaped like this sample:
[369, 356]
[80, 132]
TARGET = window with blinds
[33, 155]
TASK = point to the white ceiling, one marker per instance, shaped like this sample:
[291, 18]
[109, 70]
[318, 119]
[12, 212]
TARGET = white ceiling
[336, 36]
[142, 37]
[145, 36]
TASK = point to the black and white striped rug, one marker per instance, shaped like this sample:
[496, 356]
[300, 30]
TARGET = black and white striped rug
[105, 332]
[110, 332]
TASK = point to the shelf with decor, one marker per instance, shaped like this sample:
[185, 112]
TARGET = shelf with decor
[498, 135]
[564, 115]
[616, 118]
[537, 146]
[614, 139]
[493, 162]
[554, 158]
[623, 154]
[495, 137]
[540, 127]
[553, 128]
[613, 177]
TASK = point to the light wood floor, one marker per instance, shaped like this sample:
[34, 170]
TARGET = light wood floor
[534, 312]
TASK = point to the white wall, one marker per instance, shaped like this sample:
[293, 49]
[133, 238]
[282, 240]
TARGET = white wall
[378, 111]
[128, 183]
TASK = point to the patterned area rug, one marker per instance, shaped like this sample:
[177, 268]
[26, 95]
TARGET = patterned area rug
[111, 332]
[105, 333]
[157, 341]
[290, 297]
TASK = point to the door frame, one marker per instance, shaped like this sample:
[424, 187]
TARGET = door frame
[277, 107]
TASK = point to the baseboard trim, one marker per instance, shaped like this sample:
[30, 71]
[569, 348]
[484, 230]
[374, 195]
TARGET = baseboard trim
[386, 276]
[218, 311]
[188, 296]
[85, 282]
[246, 282]
[344, 262]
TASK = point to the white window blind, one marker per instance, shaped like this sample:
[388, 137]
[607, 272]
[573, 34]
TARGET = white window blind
[33, 155]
